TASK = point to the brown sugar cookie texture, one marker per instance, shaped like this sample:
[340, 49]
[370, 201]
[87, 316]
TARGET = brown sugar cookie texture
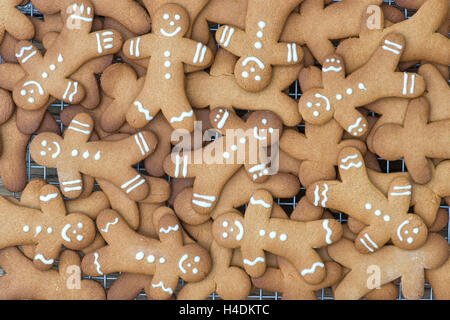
[316, 24]
[74, 155]
[341, 94]
[389, 263]
[48, 228]
[411, 140]
[258, 46]
[386, 217]
[48, 75]
[256, 232]
[219, 88]
[423, 42]
[23, 281]
[167, 259]
[128, 12]
[246, 148]
[14, 22]
[169, 50]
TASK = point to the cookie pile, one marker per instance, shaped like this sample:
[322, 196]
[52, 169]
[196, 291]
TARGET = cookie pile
[146, 82]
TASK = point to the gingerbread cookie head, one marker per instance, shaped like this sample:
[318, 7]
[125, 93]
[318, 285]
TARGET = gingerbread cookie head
[46, 148]
[193, 263]
[252, 74]
[171, 20]
[411, 233]
[228, 230]
[78, 232]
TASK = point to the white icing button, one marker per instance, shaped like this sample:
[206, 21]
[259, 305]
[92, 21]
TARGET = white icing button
[45, 75]
[44, 143]
[258, 45]
[168, 76]
[339, 96]
[272, 235]
[368, 206]
[349, 91]
[243, 140]
[332, 60]
[167, 64]
[49, 230]
[52, 67]
[262, 24]
[162, 260]
[151, 258]
[309, 104]
[139, 255]
[283, 237]
[167, 53]
[74, 153]
[377, 212]
[260, 34]
[262, 233]
[86, 155]
[177, 17]
[226, 155]
[387, 218]
[26, 228]
[234, 147]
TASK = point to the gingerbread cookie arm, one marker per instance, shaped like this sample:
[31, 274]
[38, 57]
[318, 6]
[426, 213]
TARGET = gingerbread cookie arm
[230, 38]
[333, 70]
[17, 24]
[371, 239]
[46, 253]
[170, 230]
[80, 129]
[195, 53]
[413, 279]
[140, 47]
[286, 54]
[163, 285]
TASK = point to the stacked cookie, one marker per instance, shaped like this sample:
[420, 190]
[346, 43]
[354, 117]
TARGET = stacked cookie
[177, 140]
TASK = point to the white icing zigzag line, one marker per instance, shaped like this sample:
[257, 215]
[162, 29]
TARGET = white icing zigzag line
[42, 259]
[353, 126]
[169, 229]
[109, 224]
[183, 115]
[329, 231]
[48, 197]
[252, 263]
[324, 194]
[97, 264]
[345, 160]
[141, 109]
[22, 51]
[313, 268]
[259, 202]
[161, 284]
[351, 165]
[316, 196]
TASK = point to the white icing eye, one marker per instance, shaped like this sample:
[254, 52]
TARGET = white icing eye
[86, 155]
[349, 91]
[167, 53]
[283, 237]
[45, 75]
[139, 255]
[225, 235]
[43, 153]
[258, 78]
[332, 60]
[23, 92]
[80, 237]
[339, 96]
[272, 235]
[416, 230]
[328, 60]
[44, 143]
[74, 153]
[26, 228]
[197, 259]
[195, 271]
[262, 233]
[177, 17]
[245, 74]
[80, 225]
[368, 206]
[387, 218]
[166, 16]
[309, 104]
[225, 224]
[151, 258]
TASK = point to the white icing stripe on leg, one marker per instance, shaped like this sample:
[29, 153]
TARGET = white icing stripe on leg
[355, 125]
[316, 196]
[75, 91]
[294, 52]
[202, 203]
[139, 144]
[227, 42]
[68, 189]
[135, 186]
[402, 188]
[67, 90]
[393, 44]
[99, 44]
[141, 109]
[225, 30]
[289, 57]
[371, 241]
[324, 194]
[126, 184]
[405, 83]
[197, 52]
[132, 48]
[86, 132]
[144, 143]
[313, 268]
[138, 42]
[81, 124]
[202, 55]
[177, 166]
[185, 165]
[365, 245]
[200, 196]
[413, 80]
[71, 182]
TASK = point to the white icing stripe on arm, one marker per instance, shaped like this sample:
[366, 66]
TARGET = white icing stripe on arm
[259, 202]
[202, 203]
[200, 196]
[141, 109]
[183, 115]
[313, 268]
[169, 229]
[48, 197]
[328, 230]
[289, 57]
[407, 193]
[197, 52]
[106, 229]
[324, 194]
[345, 160]
[230, 34]
[41, 258]
[355, 125]
[351, 165]
[365, 245]
[252, 263]
[408, 187]
[161, 284]
[97, 263]
[22, 51]
[294, 52]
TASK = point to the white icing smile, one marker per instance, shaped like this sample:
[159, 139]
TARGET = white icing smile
[240, 235]
[399, 229]
[180, 263]
[255, 134]
[58, 150]
[64, 232]
[167, 34]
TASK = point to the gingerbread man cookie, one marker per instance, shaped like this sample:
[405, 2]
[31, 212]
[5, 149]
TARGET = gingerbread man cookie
[167, 259]
[386, 218]
[341, 95]
[246, 148]
[411, 140]
[48, 75]
[163, 88]
[48, 228]
[256, 232]
[74, 155]
[23, 281]
[258, 46]
[391, 263]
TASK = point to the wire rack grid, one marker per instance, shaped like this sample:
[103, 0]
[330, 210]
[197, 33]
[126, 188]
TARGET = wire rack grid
[49, 174]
